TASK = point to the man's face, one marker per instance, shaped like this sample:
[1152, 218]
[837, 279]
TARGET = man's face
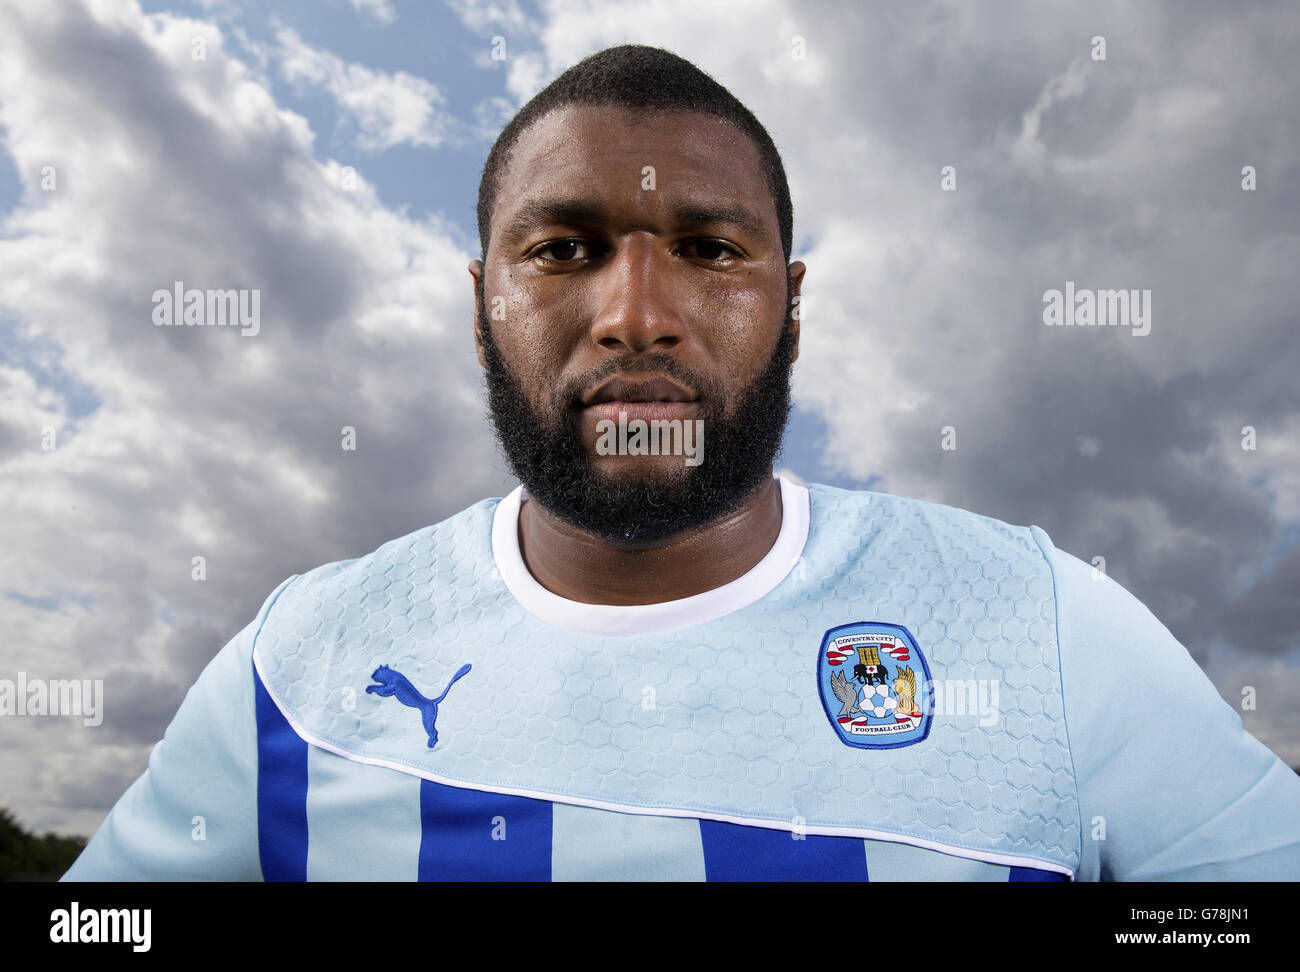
[635, 266]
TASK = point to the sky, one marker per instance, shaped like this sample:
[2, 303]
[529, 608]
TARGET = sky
[950, 164]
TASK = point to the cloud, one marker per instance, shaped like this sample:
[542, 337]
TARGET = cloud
[1028, 148]
[488, 15]
[380, 10]
[1274, 693]
[177, 442]
[388, 109]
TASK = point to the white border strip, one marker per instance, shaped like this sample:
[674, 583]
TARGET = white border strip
[620, 619]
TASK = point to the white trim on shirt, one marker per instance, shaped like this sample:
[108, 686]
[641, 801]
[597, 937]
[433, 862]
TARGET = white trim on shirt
[627, 619]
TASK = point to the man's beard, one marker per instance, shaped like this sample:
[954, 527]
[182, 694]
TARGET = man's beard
[548, 455]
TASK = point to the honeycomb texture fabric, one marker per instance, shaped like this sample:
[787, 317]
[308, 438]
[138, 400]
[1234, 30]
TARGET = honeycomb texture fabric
[690, 740]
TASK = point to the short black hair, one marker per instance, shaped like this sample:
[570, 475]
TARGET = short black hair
[638, 78]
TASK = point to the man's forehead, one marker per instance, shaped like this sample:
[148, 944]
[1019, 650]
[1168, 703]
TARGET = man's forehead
[582, 133]
[600, 154]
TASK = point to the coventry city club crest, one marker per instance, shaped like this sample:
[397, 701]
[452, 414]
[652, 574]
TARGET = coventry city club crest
[875, 685]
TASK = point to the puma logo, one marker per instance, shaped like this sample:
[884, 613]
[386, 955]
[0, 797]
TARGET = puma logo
[390, 682]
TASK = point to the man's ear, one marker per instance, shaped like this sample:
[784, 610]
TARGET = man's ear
[476, 271]
[797, 270]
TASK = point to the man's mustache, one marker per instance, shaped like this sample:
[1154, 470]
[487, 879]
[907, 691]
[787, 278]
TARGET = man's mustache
[571, 393]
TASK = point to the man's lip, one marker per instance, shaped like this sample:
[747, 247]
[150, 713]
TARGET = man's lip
[646, 411]
[632, 391]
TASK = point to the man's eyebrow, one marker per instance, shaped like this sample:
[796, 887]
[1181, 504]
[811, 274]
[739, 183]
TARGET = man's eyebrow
[545, 212]
[692, 215]
[582, 212]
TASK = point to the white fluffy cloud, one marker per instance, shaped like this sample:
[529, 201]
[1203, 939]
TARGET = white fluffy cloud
[203, 442]
[388, 109]
[380, 10]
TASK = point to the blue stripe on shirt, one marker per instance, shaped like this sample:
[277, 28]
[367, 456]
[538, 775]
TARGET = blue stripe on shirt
[733, 852]
[281, 792]
[1034, 874]
[472, 835]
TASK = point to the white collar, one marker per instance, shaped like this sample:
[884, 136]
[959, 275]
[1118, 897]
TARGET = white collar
[620, 619]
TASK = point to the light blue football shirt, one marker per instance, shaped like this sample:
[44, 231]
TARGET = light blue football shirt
[898, 691]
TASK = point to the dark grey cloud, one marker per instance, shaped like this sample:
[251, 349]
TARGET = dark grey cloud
[138, 705]
[94, 787]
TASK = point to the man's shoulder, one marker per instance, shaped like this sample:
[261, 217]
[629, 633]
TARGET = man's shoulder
[334, 617]
[921, 520]
[462, 536]
[906, 524]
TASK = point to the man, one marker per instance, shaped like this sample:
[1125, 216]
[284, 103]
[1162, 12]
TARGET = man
[654, 660]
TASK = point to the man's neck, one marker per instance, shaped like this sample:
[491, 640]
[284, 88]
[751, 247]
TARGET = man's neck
[578, 566]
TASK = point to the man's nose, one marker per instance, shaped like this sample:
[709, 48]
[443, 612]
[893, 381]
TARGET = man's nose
[637, 294]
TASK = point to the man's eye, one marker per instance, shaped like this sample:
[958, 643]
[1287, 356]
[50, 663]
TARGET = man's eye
[711, 250]
[562, 251]
[566, 251]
